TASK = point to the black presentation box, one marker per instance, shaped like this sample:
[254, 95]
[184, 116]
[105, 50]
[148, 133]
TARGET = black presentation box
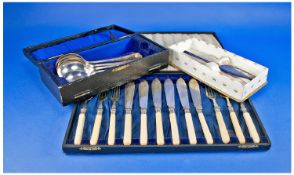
[102, 43]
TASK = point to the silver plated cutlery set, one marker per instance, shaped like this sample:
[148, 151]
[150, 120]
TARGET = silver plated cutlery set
[169, 88]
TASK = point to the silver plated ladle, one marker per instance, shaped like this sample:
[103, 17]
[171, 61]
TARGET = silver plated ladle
[73, 67]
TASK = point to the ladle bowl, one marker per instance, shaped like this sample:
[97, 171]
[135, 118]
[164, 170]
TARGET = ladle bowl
[72, 66]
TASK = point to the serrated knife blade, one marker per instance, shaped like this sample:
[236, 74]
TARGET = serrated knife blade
[183, 93]
[156, 92]
[129, 95]
[195, 94]
[143, 94]
[169, 93]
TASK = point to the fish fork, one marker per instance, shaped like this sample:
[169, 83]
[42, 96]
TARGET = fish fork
[211, 94]
[114, 96]
[81, 122]
[250, 125]
[235, 122]
[97, 124]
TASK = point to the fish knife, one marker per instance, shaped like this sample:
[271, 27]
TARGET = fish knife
[170, 100]
[156, 94]
[129, 96]
[143, 102]
[183, 94]
[196, 98]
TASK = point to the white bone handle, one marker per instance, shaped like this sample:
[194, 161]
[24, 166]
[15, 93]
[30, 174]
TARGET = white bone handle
[159, 128]
[143, 131]
[251, 127]
[96, 128]
[237, 127]
[111, 133]
[174, 128]
[222, 127]
[128, 129]
[190, 128]
[205, 128]
[80, 128]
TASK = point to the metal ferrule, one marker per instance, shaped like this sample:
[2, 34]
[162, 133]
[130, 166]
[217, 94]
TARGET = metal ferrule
[230, 108]
[187, 110]
[100, 111]
[113, 110]
[83, 110]
[216, 109]
[157, 109]
[171, 110]
[100, 105]
[199, 110]
[143, 111]
[243, 108]
[128, 111]
[113, 107]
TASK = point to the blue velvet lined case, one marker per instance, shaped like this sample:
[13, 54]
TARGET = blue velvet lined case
[208, 110]
[102, 43]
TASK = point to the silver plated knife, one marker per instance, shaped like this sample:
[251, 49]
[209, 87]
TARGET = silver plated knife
[156, 94]
[129, 96]
[170, 100]
[196, 98]
[143, 102]
[183, 94]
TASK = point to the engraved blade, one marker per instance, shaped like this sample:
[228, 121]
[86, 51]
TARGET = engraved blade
[129, 95]
[195, 93]
[143, 94]
[169, 93]
[183, 93]
[156, 92]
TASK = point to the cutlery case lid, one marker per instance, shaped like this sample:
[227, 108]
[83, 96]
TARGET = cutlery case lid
[76, 43]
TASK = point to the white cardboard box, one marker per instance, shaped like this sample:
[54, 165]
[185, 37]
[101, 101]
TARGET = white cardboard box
[238, 89]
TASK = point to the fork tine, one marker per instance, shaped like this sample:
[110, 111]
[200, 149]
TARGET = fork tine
[207, 91]
[102, 95]
[116, 92]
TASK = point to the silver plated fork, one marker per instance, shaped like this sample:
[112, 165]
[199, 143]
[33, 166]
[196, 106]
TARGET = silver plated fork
[114, 96]
[211, 94]
[97, 124]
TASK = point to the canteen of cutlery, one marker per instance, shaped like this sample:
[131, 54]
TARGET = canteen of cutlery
[169, 86]
[170, 100]
[143, 102]
[196, 98]
[235, 122]
[129, 95]
[250, 125]
[211, 94]
[156, 94]
[183, 94]
[114, 96]
[97, 124]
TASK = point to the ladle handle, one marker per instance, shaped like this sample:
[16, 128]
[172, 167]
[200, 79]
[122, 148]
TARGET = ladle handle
[121, 58]
[110, 65]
